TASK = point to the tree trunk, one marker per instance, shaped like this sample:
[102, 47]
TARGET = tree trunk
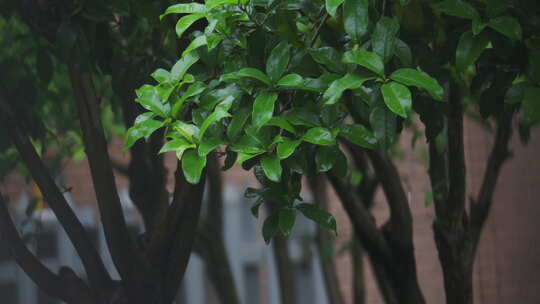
[328, 266]
[220, 273]
[358, 274]
[454, 247]
[325, 246]
[285, 269]
[212, 245]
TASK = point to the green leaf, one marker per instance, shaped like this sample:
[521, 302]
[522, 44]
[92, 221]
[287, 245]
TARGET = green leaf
[212, 40]
[403, 53]
[318, 215]
[332, 6]
[281, 122]
[211, 4]
[328, 57]
[507, 26]
[263, 108]
[184, 8]
[189, 131]
[193, 90]
[237, 123]
[255, 208]
[355, 177]
[226, 104]
[420, 80]
[457, 8]
[278, 60]
[216, 116]
[515, 94]
[287, 147]
[208, 145]
[531, 105]
[192, 166]
[185, 22]
[250, 73]
[336, 89]
[383, 123]
[270, 227]
[277, 139]
[195, 44]
[428, 199]
[358, 135]
[369, 60]
[182, 66]
[272, 167]
[356, 18]
[397, 98]
[383, 40]
[242, 157]
[161, 75]
[148, 97]
[140, 130]
[325, 157]
[261, 136]
[319, 136]
[209, 100]
[477, 26]
[469, 48]
[164, 91]
[176, 144]
[143, 117]
[248, 145]
[299, 116]
[291, 80]
[287, 217]
[496, 7]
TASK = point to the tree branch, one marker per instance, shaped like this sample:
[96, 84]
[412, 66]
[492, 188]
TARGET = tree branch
[369, 184]
[93, 265]
[210, 238]
[366, 192]
[325, 244]
[438, 176]
[184, 215]
[400, 213]
[498, 156]
[146, 171]
[52, 284]
[399, 231]
[363, 223]
[41, 275]
[456, 156]
[126, 258]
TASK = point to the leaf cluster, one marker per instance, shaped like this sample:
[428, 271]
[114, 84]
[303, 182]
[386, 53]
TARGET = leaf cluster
[277, 85]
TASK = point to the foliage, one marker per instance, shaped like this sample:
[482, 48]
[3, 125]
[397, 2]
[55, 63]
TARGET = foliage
[277, 85]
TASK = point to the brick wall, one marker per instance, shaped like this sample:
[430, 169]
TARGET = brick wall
[507, 268]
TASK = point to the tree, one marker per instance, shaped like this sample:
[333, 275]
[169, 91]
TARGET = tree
[93, 53]
[295, 89]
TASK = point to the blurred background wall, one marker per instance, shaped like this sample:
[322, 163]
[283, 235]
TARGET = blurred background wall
[507, 268]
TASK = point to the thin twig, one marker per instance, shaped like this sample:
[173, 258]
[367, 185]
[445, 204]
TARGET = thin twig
[318, 30]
